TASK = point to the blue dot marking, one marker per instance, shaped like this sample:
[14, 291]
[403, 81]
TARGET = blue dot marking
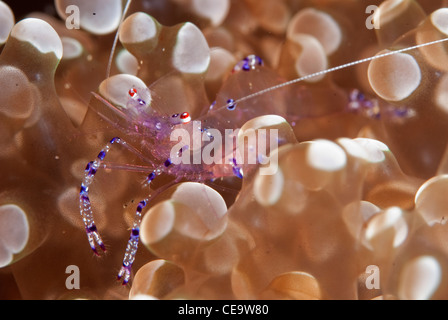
[231, 105]
[114, 140]
[168, 162]
[102, 155]
[151, 176]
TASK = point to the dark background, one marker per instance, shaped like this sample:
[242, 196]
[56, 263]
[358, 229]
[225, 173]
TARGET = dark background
[23, 7]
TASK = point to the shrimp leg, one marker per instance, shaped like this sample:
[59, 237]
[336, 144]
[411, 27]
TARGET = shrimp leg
[132, 246]
[85, 207]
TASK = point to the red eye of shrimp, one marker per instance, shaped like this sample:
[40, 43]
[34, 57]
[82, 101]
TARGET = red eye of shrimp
[132, 92]
[182, 118]
[185, 117]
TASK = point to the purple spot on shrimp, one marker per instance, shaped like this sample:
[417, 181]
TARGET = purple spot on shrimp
[400, 112]
[168, 162]
[101, 155]
[368, 104]
[140, 206]
[116, 139]
[88, 166]
[231, 105]
[135, 232]
[151, 176]
[248, 63]
[238, 172]
[184, 148]
[125, 271]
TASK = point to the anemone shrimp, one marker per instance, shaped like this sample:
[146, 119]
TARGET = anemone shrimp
[138, 115]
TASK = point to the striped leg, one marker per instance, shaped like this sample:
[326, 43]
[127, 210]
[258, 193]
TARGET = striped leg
[84, 202]
[132, 246]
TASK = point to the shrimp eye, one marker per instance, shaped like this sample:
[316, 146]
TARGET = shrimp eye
[185, 117]
[132, 92]
[175, 115]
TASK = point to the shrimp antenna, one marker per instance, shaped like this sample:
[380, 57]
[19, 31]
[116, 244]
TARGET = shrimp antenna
[343, 66]
[111, 56]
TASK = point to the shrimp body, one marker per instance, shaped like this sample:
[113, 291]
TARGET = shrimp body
[176, 157]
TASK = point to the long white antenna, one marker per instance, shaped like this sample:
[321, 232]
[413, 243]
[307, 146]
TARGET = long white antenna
[111, 56]
[347, 65]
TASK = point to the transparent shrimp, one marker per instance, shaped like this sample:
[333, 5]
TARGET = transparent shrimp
[170, 155]
[159, 127]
